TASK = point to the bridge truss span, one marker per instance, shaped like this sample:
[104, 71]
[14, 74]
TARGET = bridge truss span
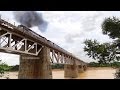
[22, 40]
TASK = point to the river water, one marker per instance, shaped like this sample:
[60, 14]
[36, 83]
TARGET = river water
[91, 73]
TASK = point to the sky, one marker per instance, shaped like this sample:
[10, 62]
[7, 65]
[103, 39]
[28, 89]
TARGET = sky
[68, 29]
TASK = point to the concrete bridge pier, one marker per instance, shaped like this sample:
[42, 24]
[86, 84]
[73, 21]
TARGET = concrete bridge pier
[71, 71]
[36, 67]
[80, 69]
[85, 67]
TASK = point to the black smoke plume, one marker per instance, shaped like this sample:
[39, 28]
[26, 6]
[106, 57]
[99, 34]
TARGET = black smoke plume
[30, 19]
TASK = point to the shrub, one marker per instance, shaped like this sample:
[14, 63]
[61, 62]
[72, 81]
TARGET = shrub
[117, 74]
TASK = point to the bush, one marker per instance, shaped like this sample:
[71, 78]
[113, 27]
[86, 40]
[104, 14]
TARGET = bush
[3, 67]
[14, 68]
[57, 66]
[117, 74]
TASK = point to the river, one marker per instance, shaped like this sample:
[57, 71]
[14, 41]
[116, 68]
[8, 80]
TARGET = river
[91, 73]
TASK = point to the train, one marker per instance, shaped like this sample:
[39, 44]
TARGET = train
[24, 28]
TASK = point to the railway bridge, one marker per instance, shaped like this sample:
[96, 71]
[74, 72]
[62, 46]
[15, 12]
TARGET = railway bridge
[36, 53]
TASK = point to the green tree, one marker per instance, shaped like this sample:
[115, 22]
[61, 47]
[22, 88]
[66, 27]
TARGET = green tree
[106, 52]
[111, 27]
[3, 67]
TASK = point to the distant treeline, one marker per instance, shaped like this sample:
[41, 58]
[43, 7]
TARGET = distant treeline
[94, 64]
[16, 67]
[9, 68]
[58, 66]
[5, 67]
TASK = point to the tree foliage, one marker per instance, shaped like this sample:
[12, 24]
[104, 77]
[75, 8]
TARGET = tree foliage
[111, 27]
[3, 67]
[14, 68]
[104, 53]
[112, 64]
[117, 74]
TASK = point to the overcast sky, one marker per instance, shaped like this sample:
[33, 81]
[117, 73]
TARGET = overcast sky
[68, 29]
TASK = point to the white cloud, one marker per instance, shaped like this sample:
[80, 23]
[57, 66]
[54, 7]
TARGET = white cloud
[10, 59]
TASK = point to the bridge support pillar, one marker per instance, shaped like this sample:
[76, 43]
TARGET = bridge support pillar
[85, 67]
[71, 71]
[36, 67]
[80, 69]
